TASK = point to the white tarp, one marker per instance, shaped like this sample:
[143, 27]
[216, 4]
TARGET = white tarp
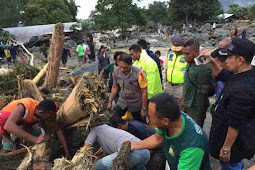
[23, 34]
[224, 16]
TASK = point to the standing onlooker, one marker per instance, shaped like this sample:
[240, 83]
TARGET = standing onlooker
[80, 53]
[196, 84]
[67, 47]
[186, 38]
[220, 59]
[214, 27]
[175, 66]
[13, 54]
[90, 42]
[244, 34]
[21, 54]
[146, 46]
[8, 56]
[147, 64]
[232, 132]
[158, 54]
[44, 50]
[109, 69]
[235, 32]
[103, 60]
[66, 52]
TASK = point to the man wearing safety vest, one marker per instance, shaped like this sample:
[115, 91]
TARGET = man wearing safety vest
[27, 112]
[175, 66]
[149, 66]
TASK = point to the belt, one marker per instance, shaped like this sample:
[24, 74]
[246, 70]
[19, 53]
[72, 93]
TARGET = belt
[175, 84]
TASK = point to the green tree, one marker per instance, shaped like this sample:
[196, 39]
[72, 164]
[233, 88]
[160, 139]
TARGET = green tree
[158, 12]
[183, 11]
[112, 14]
[38, 12]
[73, 8]
[11, 12]
[252, 11]
[241, 12]
[6, 37]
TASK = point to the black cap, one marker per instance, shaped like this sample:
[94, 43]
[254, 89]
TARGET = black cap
[102, 46]
[218, 53]
[241, 47]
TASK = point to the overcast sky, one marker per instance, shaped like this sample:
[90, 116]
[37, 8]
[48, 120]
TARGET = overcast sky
[86, 6]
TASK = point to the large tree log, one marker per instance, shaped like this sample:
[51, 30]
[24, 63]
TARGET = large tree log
[56, 49]
[29, 89]
[37, 78]
[41, 156]
[88, 99]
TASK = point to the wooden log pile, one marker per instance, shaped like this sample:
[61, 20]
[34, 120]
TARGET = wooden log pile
[86, 105]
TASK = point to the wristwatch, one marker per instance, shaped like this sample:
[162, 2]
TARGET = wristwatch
[145, 108]
[225, 151]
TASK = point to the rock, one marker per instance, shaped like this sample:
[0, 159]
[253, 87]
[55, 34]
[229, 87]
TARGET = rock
[88, 67]
[214, 36]
[71, 42]
[202, 37]
[35, 49]
[103, 38]
[206, 28]
[207, 44]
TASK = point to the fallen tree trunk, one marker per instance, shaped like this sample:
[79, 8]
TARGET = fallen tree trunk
[56, 49]
[38, 77]
[29, 89]
[41, 157]
[88, 99]
[31, 58]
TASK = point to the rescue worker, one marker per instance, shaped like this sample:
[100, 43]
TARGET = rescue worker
[132, 83]
[175, 66]
[150, 67]
[27, 112]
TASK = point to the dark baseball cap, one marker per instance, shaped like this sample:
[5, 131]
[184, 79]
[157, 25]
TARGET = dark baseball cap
[178, 42]
[218, 53]
[241, 47]
[103, 46]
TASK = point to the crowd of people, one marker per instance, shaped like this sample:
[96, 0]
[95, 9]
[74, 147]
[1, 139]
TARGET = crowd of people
[177, 110]
[167, 118]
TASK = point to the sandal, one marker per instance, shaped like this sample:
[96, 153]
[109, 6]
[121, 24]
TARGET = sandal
[8, 147]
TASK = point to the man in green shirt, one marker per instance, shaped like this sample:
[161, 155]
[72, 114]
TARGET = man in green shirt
[184, 143]
[149, 66]
[196, 84]
[80, 52]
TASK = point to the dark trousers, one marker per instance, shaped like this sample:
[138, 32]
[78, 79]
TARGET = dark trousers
[117, 110]
[92, 51]
[157, 161]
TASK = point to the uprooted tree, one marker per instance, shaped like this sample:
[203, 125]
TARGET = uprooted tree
[56, 49]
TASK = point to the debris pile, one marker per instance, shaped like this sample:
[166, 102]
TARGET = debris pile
[87, 103]
[83, 159]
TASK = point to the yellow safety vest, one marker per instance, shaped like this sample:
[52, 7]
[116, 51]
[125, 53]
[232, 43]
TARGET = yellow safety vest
[176, 68]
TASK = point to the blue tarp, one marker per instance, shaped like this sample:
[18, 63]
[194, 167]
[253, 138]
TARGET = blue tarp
[4, 46]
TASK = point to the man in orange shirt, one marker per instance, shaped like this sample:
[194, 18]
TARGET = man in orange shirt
[28, 112]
